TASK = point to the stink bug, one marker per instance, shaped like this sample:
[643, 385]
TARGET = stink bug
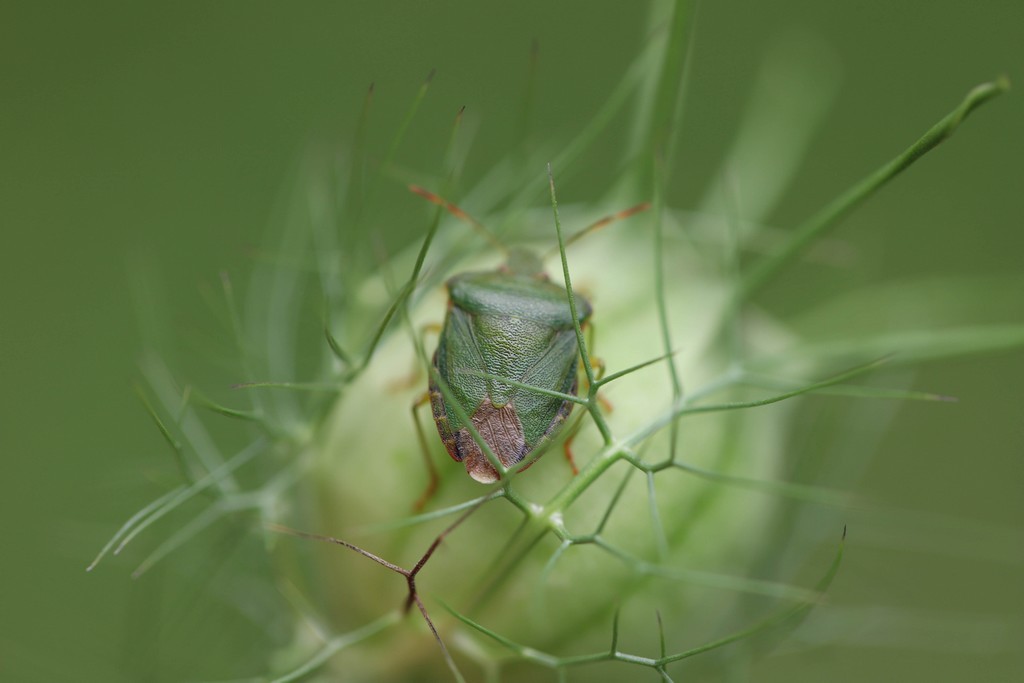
[513, 323]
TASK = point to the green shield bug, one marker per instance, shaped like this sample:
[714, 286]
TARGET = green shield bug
[513, 323]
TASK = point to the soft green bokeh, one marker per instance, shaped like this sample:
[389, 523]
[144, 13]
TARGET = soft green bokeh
[164, 135]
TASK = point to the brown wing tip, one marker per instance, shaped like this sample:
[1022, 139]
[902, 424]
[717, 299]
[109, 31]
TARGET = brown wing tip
[478, 467]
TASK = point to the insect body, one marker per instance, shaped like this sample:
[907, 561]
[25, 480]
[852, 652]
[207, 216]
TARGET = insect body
[515, 323]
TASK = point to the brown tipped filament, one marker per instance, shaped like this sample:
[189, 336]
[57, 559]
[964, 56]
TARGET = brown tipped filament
[456, 211]
[606, 221]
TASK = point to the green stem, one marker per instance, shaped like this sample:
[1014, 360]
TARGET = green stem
[818, 224]
[665, 115]
[660, 300]
[580, 341]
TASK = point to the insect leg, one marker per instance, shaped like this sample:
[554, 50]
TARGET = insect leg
[573, 429]
[598, 364]
[433, 478]
[413, 378]
[567, 449]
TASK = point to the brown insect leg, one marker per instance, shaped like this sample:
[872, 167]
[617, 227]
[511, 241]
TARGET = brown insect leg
[567, 449]
[433, 478]
[415, 373]
[598, 365]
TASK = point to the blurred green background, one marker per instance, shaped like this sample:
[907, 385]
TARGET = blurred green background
[164, 134]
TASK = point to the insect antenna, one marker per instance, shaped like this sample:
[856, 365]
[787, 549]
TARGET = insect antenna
[459, 213]
[602, 223]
